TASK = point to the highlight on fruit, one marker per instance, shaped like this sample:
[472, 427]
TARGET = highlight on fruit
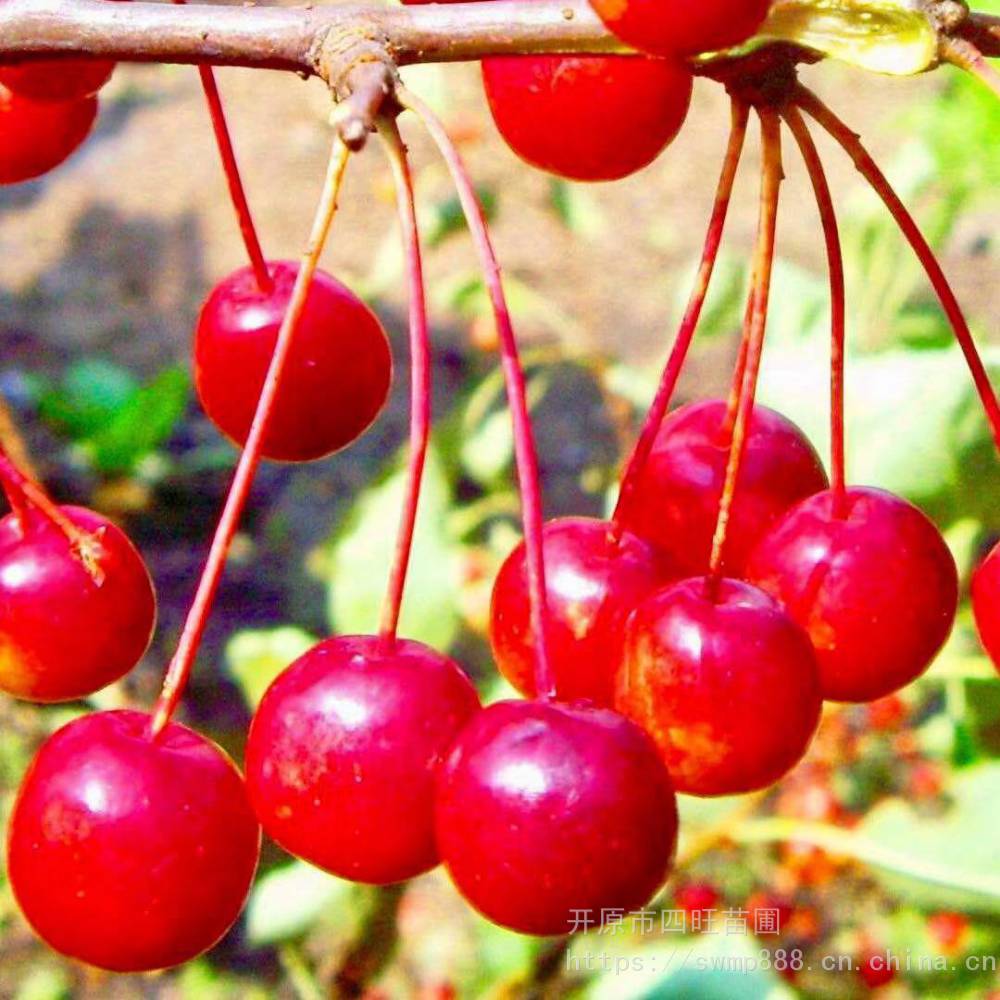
[621, 657]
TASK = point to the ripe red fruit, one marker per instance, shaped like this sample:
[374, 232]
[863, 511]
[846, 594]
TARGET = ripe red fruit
[592, 583]
[72, 620]
[36, 136]
[57, 79]
[699, 898]
[986, 603]
[131, 853]
[588, 118]
[876, 590]
[343, 753]
[336, 378]
[678, 27]
[676, 502]
[950, 931]
[727, 688]
[550, 812]
[876, 969]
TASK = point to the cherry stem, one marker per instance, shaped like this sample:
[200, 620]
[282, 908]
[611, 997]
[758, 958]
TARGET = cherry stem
[835, 263]
[852, 145]
[194, 625]
[739, 370]
[962, 53]
[525, 456]
[23, 492]
[237, 192]
[739, 113]
[771, 177]
[420, 376]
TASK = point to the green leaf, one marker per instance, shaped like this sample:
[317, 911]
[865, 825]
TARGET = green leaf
[577, 208]
[904, 411]
[363, 550]
[947, 861]
[255, 657]
[711, 967]
[287, 901]
[88, 395]
[141, 424]
[47, 982]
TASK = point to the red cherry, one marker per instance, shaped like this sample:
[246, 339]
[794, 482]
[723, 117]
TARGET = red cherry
[949, 930]
[72, 620]
[343, 753]
[550, 814]
[699, 898]
[587, 118]
[876, 969]
[593, 583]
[727, 688]
[876, 589]
[336, 379]
[36, 136]
[131, 853]
[57, 79]
[986, 603]
[676, 502]
[679, 27]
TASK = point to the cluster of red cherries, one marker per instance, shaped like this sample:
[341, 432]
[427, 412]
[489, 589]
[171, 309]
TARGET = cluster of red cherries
[134, 840]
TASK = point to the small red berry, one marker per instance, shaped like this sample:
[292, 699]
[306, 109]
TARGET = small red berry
[36, 136]
[344, 749]
[336, 378]
[549, 814]
[726, 685]
[593, 581]
[73, 619]
[676, 501]
[876, 969]
[678, 27]
[887, 713]
[588, 118]
[950, 931]
[986, 603]
[876, 589]
[128, 852]
[697, 898]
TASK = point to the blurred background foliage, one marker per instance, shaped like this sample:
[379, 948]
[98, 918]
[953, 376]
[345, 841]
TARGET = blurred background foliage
[884, 838]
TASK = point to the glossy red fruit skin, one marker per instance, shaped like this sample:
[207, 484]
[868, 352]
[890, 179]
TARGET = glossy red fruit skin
[65, 633]
[343, 753]
[57, 79]
[728, 689]
[131, 854]
[679, 27]
[36, 136]
[876, 591]
[593, 118]
[336, 379]
[986, 603]
[676, 502]
[546, 808]
[592, 585]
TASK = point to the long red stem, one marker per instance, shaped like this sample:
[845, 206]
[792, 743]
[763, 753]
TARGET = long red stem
[771, 177]
[231, 168]
[835, 265]
[23, 492]
[739, 113]
[420, 377]
[852, 145]
[194, 625]
[525, 456]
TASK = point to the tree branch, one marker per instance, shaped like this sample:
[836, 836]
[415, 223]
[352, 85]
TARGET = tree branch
[297, 39]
